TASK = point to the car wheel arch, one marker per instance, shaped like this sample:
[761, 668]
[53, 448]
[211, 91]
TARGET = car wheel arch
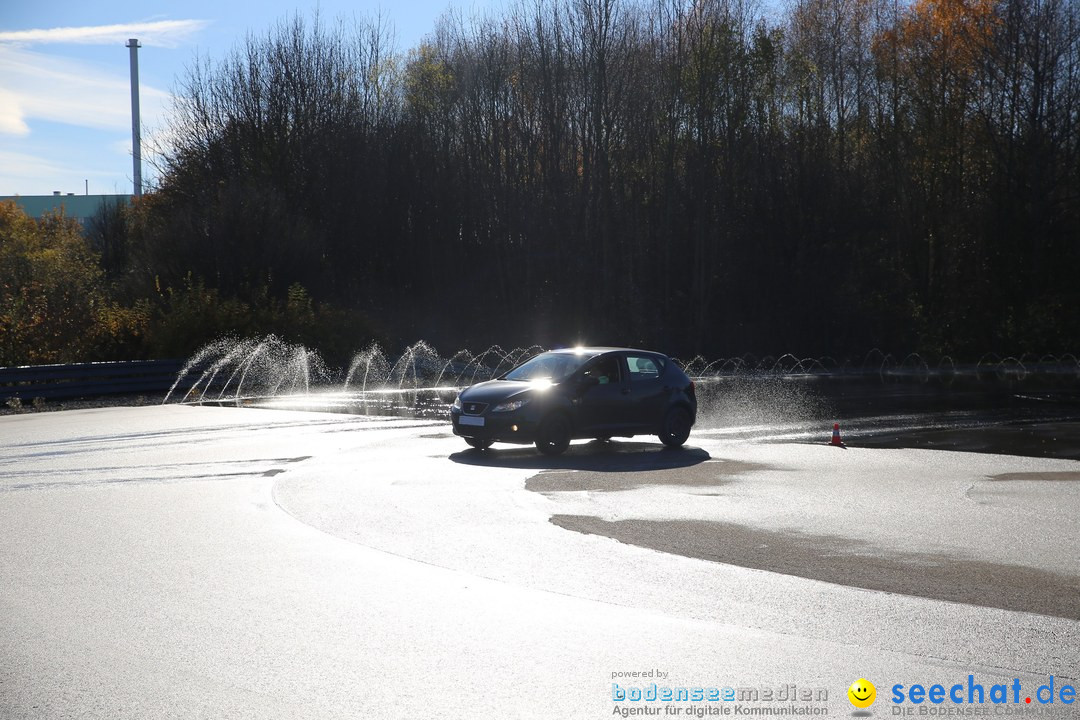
[677, 435]
[559, 413]
[562, 442]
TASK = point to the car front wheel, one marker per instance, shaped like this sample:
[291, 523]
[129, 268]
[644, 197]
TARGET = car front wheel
[554, 436]
[676, 428]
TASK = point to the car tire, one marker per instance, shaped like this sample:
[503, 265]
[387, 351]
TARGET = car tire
[676, 427]
[479, 443]
[554, 436]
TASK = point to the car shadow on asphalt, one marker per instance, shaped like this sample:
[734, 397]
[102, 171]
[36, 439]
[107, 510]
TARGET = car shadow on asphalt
[595, 456]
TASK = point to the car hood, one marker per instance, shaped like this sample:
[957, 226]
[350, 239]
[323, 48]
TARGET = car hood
[494, 391]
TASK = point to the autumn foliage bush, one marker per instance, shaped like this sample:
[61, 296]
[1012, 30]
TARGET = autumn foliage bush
[53, 302]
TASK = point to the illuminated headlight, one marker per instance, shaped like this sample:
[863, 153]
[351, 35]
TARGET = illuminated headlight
[457, 403]
[510, 406]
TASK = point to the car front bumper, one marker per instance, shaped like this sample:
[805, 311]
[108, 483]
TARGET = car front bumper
[508, 427]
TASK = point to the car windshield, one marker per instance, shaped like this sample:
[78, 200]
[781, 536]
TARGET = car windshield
[555, 367]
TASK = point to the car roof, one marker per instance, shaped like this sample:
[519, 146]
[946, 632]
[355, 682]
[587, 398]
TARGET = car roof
[601, 350]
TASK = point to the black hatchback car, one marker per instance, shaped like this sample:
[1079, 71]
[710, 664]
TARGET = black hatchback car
[561, 395]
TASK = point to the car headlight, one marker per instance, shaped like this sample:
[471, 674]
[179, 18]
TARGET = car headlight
[457, 403]
[510, 406]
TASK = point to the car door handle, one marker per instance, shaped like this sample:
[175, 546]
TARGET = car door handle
[626, 391]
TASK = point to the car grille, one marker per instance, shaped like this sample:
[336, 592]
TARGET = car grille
[471, 408]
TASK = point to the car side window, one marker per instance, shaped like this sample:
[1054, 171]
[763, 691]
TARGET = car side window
[605, 370]
[642, 368]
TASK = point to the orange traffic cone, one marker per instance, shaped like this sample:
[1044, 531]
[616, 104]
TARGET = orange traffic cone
[836, 435]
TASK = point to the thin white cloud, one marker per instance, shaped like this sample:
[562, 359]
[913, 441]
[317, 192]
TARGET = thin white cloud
[121, 147]
[22, 170]
[159, 33]
[41, 170]
[47, 87]
[12, 120]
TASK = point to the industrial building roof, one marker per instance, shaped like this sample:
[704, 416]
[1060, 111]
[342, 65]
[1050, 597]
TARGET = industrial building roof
[80, 207]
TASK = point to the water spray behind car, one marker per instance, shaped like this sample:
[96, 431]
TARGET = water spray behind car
[746, 395]
[270, 371]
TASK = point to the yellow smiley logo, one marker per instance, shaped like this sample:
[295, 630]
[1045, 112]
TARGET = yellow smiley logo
[862, 693]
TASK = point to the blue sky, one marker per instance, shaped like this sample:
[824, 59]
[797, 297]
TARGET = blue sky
[65, 103]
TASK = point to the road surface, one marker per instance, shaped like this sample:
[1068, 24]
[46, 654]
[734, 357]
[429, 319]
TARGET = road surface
[198, 562]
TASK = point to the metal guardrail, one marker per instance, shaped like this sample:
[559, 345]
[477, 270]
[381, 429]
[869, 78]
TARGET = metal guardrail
[82, 380]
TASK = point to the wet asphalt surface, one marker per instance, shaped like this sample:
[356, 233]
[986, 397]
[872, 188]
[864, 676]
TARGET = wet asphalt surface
[1037, 416]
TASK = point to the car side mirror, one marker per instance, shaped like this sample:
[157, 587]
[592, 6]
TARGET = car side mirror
[588, 381]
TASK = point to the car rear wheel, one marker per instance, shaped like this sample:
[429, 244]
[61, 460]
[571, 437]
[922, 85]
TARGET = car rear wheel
[676, 428]
[478, 443]
[554, 436]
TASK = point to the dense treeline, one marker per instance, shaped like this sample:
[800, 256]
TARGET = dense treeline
[694, 175]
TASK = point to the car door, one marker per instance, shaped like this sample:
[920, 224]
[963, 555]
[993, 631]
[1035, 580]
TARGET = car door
[648, 396]
[604, 407]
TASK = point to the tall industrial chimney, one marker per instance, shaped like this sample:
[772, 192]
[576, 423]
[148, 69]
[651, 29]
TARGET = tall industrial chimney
[136, 135]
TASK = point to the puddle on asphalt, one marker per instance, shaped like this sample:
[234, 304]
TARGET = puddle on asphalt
[847, 562]
[1067, 476]
[711, 473]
